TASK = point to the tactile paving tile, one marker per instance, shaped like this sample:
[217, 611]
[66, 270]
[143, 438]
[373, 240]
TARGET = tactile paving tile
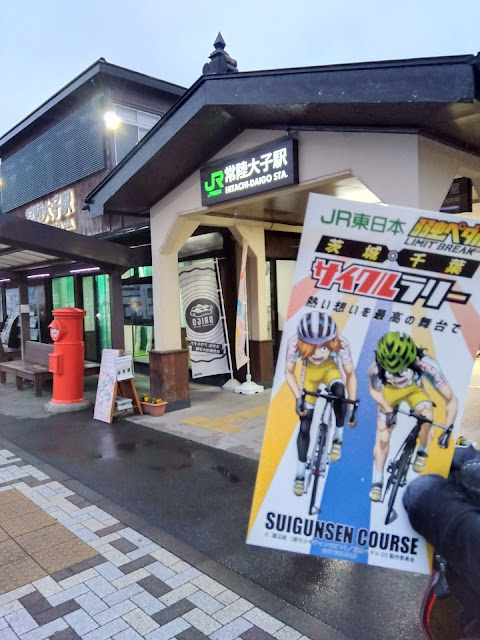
[45, 538]
[17, 508]
[63, 555]
[9, 496]
[16, 574]
[35, 520]
[3, 535]
[10, 552]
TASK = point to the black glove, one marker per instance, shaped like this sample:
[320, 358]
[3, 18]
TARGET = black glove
[391, 419]
[444, 438]
[469, 478]
[299, 408]
[352, 416]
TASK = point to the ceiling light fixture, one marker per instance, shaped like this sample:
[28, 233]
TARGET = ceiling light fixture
[85, 270]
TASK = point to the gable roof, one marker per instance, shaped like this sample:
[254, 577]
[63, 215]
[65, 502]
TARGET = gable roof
[436, 97]
[99, 68]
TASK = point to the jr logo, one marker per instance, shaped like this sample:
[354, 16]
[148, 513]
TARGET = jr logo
[216, 184]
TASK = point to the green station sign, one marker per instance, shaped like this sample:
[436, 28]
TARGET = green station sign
[261, 169]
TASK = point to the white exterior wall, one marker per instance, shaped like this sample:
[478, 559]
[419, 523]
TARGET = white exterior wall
[402, 169]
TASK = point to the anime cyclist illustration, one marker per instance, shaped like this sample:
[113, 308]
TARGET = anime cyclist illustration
[324, 353]
[397, 376]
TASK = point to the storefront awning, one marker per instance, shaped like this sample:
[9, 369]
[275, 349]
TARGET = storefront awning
[26, 247]
[434, 97]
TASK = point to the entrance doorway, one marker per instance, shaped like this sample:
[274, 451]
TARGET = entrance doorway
[97, 327]
[137, 291]
[279, 280]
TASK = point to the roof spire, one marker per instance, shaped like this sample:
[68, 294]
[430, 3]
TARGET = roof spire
[219, 42]
[221, 62]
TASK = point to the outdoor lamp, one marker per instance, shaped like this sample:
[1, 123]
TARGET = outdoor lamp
[111, 119]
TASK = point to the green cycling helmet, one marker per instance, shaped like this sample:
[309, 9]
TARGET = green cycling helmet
[395, 351]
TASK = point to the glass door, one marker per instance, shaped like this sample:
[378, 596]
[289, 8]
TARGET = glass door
[96, 302]
[63, 292]
[89, 323]
[38, 317]
[103, 312]
[281, 280]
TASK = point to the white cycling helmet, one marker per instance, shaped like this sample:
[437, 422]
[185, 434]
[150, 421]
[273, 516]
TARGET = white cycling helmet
[317, 327]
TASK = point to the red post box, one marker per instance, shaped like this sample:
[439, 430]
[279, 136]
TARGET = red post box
[67, 360]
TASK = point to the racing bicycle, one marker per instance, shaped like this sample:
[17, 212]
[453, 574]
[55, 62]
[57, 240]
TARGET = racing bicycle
[399, 466]
[318, 462]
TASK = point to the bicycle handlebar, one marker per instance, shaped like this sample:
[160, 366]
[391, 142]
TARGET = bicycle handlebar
[330, 397]
[418, 417]
[443, 439]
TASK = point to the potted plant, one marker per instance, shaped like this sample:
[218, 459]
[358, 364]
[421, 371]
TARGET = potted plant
[153, 406]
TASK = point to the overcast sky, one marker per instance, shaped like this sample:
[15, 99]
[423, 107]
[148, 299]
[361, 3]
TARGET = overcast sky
[46, 43]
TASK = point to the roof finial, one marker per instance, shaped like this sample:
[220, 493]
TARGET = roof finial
[221, 62]
[219, 42]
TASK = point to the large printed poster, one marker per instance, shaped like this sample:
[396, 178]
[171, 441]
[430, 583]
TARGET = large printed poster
[373, 370]
[205, 330]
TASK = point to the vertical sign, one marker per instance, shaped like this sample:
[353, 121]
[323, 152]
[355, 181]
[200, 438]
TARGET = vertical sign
[241, 337]
[384, 311]
[205, 331]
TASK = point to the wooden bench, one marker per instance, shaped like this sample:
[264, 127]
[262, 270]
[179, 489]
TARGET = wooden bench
[35, 367]
[7, 353]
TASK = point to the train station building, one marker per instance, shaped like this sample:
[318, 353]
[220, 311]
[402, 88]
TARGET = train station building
[234, 157]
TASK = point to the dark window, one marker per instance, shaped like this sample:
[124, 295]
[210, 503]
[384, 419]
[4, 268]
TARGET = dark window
[69, 151]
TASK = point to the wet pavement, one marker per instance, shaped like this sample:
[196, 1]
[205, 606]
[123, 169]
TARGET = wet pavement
[200, 496]
[186, 480]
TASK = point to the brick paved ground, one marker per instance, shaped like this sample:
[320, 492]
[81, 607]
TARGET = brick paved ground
[70, 570]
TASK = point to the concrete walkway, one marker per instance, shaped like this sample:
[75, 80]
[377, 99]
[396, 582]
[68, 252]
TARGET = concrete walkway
[217, 418]
[236, 423]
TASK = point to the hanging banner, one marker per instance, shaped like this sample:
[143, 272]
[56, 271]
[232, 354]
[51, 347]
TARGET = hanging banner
[241, 357]
[205, 332]
[384, 311]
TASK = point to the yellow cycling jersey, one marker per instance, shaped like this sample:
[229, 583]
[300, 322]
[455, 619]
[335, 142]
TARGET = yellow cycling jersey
[413, 395]
[317, 374]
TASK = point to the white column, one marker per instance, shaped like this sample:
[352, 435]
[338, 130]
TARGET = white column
[169, 233]
[166, 303]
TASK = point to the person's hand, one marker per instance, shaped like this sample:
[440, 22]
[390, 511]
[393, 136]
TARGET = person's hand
[391, 419]
[299, 408]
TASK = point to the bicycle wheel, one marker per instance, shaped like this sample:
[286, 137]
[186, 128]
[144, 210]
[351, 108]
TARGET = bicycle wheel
[316, 468]
[401, 473]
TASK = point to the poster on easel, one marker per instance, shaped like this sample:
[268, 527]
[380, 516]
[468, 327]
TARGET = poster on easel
[116, 375]
[106, 389]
